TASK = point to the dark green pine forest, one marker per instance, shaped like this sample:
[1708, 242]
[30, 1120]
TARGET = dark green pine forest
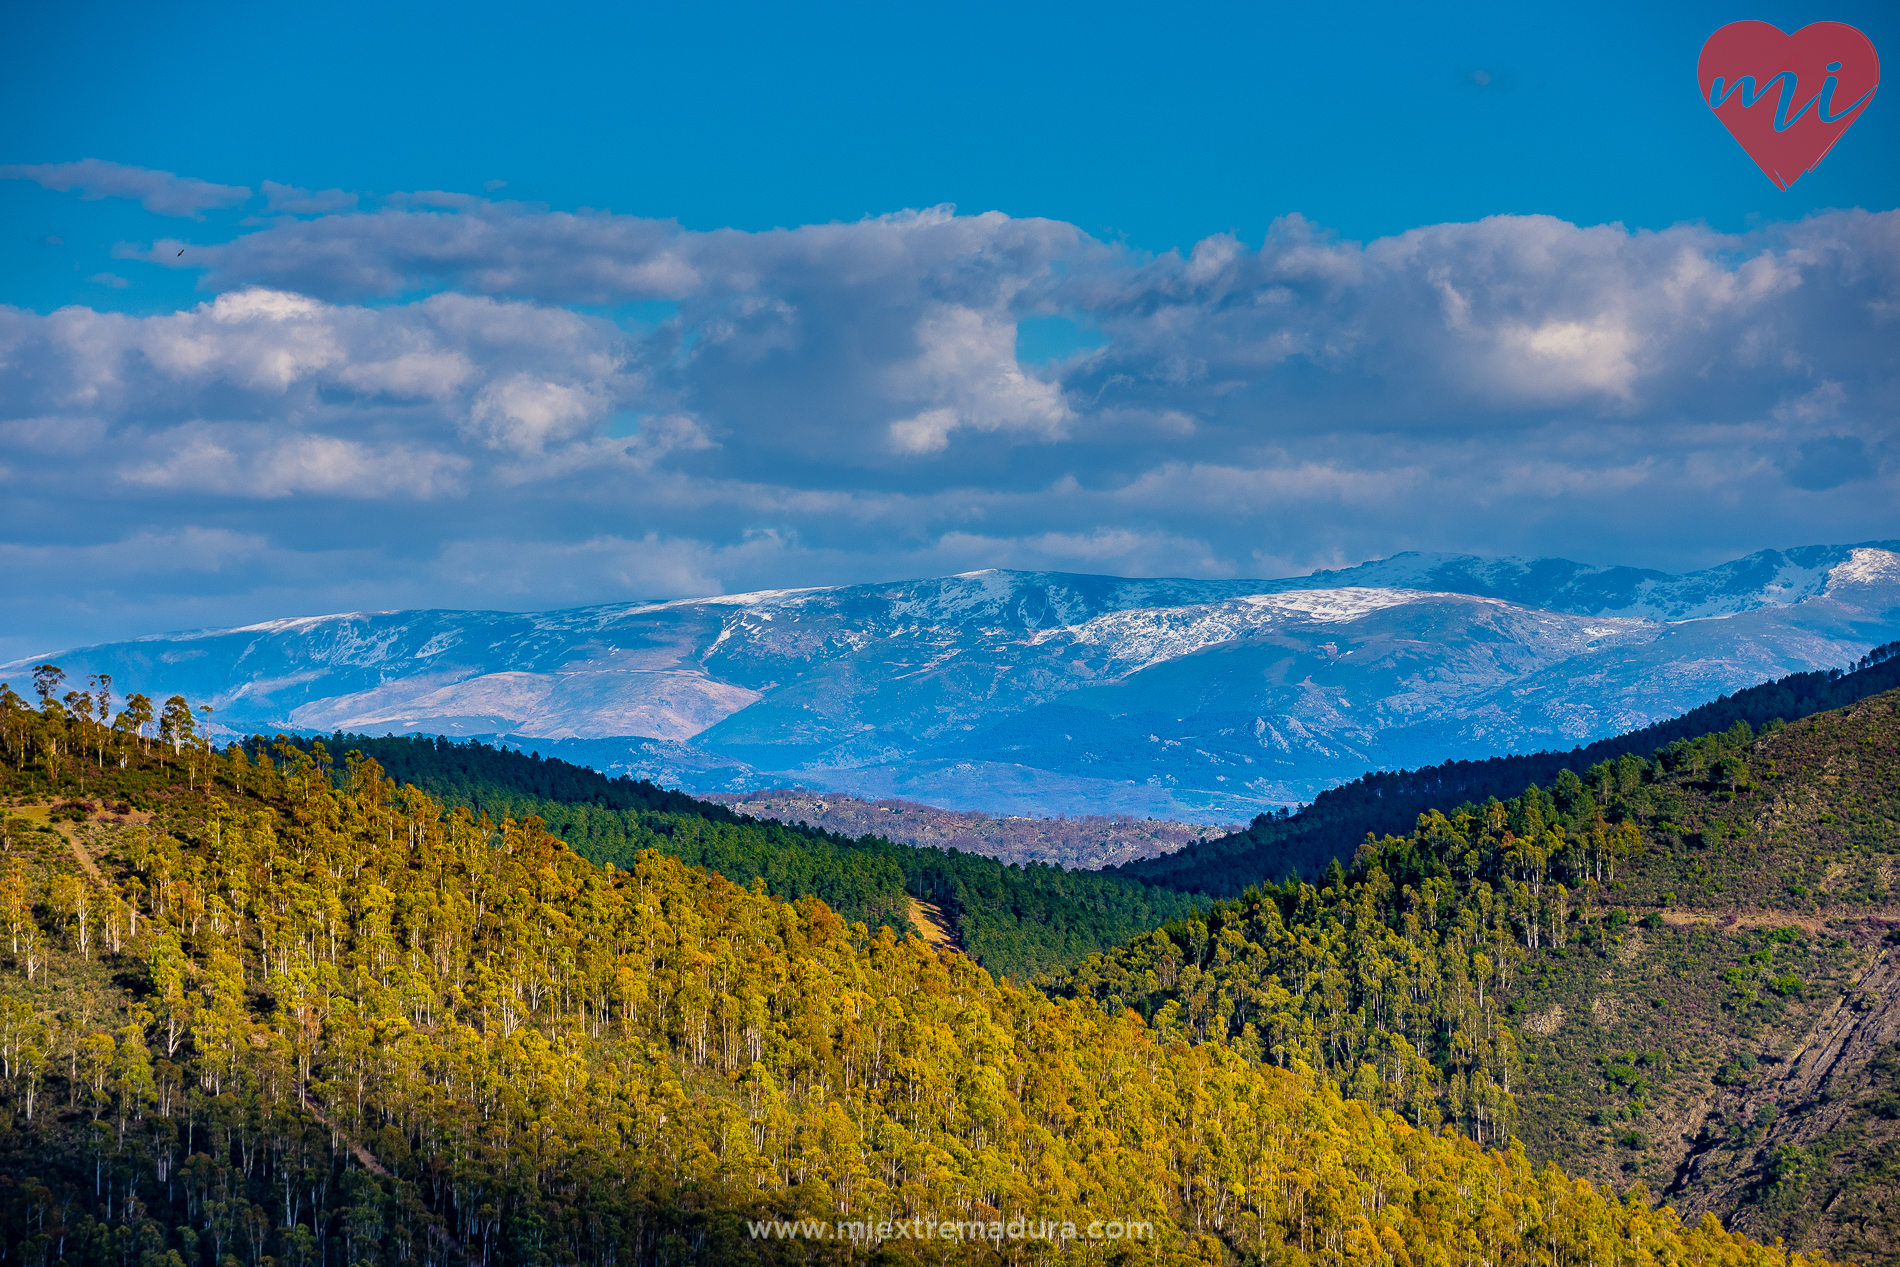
[352, 1000]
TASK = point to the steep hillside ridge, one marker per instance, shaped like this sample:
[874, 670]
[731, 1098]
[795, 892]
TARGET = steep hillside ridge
[343, 1025]
[1058, 693]
[1809, 1149]
[1676, 970]
[1277, 845]
[1783, 879]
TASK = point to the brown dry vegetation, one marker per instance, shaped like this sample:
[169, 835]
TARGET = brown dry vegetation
[1091, 841]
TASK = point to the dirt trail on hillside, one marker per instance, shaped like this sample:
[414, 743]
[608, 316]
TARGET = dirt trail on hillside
[1850, 1032]
[70, 834]
[363, 1155]
[85, 859]
[1813, 922]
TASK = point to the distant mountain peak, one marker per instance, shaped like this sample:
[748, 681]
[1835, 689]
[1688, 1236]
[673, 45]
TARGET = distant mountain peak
[1051, 691]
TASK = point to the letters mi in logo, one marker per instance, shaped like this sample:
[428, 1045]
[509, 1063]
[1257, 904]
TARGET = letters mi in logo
[1788, 98]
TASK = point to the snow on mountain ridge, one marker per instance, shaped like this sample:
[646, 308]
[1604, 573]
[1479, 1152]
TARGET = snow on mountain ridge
[1254, 692]
[1136, 638]
[1649, 595]
[1765, 579]
[1344, 603]
[1866, 567]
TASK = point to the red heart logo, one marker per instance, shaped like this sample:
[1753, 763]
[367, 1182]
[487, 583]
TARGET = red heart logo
[1788, 98]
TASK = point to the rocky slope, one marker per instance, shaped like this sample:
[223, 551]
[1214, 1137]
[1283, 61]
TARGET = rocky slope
[1737, 1048]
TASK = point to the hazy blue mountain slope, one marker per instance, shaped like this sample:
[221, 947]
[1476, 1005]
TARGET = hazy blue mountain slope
[1767, 578]
[1388, 802]
[1045, 692]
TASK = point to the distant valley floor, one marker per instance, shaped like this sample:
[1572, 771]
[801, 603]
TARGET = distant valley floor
[1090, 841]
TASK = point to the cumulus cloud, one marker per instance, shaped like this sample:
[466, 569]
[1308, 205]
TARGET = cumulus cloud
[277, 356]
[525, 412]
[164, 193]
[302, 202]
[423, 241]
[843, 402]
[258, 462]
[965, 368]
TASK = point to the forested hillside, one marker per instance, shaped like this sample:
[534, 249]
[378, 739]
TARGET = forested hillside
[1276, 846]
[1680, 970]
[1019, 920]
[252, 1014]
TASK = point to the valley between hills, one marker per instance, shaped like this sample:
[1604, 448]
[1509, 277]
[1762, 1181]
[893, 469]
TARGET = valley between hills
[1088, 842]
[383, 999]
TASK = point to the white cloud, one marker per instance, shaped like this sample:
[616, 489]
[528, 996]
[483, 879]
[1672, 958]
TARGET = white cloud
[302, 202]
[928, 432]
[264, 353]
[1561, 359]
[256, 462]
[526, 413]
[966, 365]
[425, 373]
[843, 402]
[165, 193]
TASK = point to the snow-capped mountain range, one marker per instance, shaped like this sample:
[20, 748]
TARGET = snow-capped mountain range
[1036, 692]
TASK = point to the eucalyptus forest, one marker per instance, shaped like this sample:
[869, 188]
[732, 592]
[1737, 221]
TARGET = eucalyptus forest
[262, 1003]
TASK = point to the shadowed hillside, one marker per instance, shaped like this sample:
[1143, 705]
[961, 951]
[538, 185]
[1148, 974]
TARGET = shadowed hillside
[1275, 846]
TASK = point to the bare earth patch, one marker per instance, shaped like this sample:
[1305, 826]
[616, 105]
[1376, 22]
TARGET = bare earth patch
[933, 927]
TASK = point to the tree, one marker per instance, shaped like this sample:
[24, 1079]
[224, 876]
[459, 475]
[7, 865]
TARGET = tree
[96, 1059]
[78, 718]
[176, 1007]
[16, 902]
[132, 1075]
[102, 707]
[176, 725]
[46, 681]
[16, 724]
[71, 898]
[204, 745]
[138, 715]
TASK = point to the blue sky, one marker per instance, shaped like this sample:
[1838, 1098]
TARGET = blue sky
[510, 324]
[1147, 124]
